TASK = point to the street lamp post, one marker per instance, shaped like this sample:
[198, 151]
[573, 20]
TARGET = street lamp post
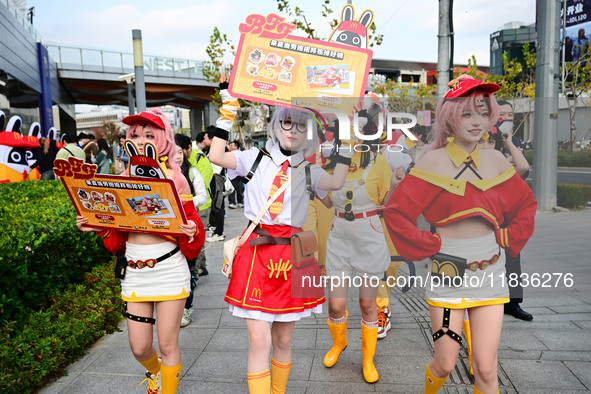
[546, 105]
[138, 62]
[128, 78]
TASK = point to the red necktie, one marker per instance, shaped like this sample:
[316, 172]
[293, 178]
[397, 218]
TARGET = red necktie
[279, 180]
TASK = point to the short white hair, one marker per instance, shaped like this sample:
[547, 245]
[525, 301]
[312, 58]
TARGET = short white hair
[296, 116]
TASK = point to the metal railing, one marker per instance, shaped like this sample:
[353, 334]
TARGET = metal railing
[108, 61]
[22, 18]
[100, 60]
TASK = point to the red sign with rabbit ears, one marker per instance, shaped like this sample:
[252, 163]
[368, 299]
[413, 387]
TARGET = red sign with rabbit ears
[350, 31]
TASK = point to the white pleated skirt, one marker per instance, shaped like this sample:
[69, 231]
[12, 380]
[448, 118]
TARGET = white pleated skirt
[167, 280]
[273, 317]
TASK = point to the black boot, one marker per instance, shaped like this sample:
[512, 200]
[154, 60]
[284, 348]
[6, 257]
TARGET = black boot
[513, 309]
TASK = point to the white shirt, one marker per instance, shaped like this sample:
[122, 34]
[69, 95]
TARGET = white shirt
[200, 196]
[398, 154]
[256, 193]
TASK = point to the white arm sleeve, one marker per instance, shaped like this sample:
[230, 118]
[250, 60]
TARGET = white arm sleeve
[200, 197]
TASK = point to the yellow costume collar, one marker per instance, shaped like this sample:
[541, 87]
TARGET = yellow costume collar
[458, 186]
[459, 156]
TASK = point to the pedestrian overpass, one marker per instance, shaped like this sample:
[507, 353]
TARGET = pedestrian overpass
[92, 76]
[36, 76]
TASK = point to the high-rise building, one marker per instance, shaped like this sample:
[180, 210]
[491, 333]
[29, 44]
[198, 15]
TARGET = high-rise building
[510, 38]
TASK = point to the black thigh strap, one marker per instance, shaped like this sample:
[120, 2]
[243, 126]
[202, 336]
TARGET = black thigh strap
[140, 319]
[440, 333]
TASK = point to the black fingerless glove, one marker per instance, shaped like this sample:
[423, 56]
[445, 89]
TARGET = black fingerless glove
[221, 133]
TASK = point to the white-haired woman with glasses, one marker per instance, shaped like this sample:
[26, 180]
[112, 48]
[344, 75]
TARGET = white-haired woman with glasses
[356, 251]
[261, 288]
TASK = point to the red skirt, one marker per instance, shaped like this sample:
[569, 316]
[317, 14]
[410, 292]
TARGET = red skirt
[264, 279]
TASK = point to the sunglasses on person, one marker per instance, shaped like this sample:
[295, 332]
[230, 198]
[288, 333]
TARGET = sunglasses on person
[349, 215]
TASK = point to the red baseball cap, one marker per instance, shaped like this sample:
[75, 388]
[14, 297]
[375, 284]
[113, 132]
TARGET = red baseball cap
[354, 27]
[145, 116]
[16, 140]
[464, 83]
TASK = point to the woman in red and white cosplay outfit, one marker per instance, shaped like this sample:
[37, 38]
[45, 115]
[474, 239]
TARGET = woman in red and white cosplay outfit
[157, 274]
[464, 193]
[261, 288]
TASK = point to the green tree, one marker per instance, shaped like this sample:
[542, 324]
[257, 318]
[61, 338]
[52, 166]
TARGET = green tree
[109, 130]
[298, 18]
[517, 82]
[219, 46]
[577, 85]
[404, 97]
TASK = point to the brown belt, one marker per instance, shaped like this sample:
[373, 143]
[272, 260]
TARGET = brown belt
[267, 239]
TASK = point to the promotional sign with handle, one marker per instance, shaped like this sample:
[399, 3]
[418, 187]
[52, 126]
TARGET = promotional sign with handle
[146, 203]
[276, 68]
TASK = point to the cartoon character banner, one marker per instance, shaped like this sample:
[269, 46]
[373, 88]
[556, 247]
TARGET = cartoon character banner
[126, 203]
[272, 67]
[16, 151]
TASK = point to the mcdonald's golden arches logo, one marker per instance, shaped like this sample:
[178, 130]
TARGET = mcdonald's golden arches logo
[256, 293]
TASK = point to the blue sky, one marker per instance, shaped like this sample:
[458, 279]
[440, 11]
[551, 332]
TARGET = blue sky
[182, 28]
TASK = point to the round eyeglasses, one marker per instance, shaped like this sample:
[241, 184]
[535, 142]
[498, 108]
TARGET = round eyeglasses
[288, 125]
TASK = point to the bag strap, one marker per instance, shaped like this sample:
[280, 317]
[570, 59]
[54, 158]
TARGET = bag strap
[309, 188]
[255, 165]
[270, 201]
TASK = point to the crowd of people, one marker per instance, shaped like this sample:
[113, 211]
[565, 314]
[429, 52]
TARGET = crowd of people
[450, 198]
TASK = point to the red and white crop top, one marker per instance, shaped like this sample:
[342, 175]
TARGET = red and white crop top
[444, 200]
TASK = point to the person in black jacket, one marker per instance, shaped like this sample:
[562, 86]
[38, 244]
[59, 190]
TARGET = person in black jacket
[45, 155]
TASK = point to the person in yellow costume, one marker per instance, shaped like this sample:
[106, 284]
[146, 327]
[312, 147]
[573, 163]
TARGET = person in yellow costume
[357, 252]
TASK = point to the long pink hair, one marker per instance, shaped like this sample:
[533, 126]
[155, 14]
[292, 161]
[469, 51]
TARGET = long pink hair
[164, 142]
[449, 114]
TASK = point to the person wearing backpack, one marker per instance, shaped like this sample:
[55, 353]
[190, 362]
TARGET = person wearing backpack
[199, 160]
[70, 148]
[218, 211]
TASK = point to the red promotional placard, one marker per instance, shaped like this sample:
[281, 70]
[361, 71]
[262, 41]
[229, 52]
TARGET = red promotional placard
[143, 205]
[276, 68]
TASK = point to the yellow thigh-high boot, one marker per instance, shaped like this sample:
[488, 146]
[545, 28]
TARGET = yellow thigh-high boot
[170, 378]
[279, 375]
[153, 366]
[259, 382]
[369, 338]
[468, 336]
[338, 332]
[432, 383]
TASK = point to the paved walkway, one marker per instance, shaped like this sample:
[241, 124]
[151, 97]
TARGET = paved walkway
[551, 354]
